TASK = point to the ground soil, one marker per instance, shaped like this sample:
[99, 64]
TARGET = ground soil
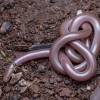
[37, 22]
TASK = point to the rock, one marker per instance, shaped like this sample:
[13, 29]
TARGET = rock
[41, 69]
[67, 82]
[22, 82]
[25, 98]
[7, 89]
[88, 88]
[59, 79]
[34, 88]
[15, 78]
[50, 92]
[5, 27]
[79, 12]
[28, 83]
[46, 26]
[65, 92]
[51, 80]
[96, 94]
[0, 91]
[23, 89]
[47, 84]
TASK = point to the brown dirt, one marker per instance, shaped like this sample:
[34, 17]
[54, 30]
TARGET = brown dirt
[37, 22]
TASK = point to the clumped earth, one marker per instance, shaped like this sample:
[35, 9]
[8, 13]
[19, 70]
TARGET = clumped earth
[37, 22]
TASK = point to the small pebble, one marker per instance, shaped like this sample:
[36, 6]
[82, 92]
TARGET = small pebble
[46, 26]
[15, 77]
[51, 80]
[34, 88]
[22, 82]
[59, 79]
[7, 89]
[23, 89]
[47, 84]
[5, 27]
[50, 92]
[65, 92]
[25, 98]
[79, 12]
[67, 82]
[41, 68]
[88, 88]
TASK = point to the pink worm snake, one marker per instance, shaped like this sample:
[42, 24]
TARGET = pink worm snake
[70, 34]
